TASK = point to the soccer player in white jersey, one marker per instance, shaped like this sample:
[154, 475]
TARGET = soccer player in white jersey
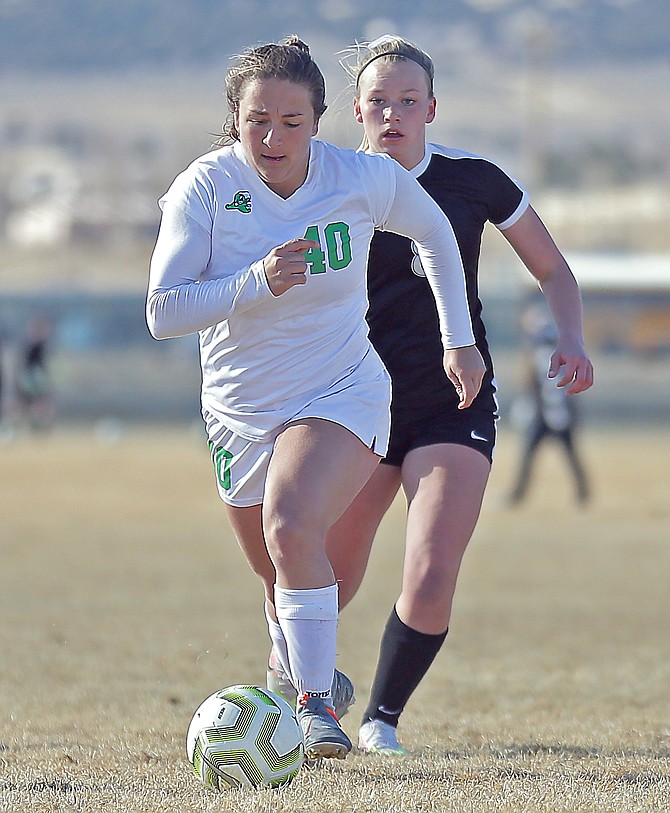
[440, 454]
[262, 251]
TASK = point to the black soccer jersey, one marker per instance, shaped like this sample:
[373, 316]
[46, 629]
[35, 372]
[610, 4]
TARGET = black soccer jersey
[402, 316]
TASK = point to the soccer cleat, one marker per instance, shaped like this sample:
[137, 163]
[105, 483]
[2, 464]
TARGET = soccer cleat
[342, 690]
[378, 737]
[321, 730]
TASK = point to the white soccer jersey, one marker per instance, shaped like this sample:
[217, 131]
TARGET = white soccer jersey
[265, 357]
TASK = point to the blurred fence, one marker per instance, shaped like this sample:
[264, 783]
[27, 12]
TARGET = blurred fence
[105, 365]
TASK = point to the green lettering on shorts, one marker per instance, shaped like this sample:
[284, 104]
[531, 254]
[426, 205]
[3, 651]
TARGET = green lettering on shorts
[222, 459]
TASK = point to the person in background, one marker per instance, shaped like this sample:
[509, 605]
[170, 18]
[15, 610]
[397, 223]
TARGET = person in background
[544, 412]
[3, 387]
[439, 453]
[35, 401]
[262, 251]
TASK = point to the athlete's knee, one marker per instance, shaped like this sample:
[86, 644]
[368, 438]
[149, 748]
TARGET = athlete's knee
[290, 534]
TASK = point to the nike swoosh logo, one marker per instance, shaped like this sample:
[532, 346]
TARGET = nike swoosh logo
[476, 436]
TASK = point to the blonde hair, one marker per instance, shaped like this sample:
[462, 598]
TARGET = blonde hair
[289, 59]
[389, 48]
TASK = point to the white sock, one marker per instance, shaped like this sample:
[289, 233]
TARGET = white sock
[278, 642]
[308, 619]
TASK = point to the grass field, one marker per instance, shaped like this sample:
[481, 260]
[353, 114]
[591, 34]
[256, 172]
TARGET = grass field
[124, 602]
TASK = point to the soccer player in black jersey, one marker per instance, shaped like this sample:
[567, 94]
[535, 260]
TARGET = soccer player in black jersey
[440, 454]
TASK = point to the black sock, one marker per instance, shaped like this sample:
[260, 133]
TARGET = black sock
[405, 656]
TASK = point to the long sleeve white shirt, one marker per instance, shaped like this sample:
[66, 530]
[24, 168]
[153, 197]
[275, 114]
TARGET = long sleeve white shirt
[263, 357]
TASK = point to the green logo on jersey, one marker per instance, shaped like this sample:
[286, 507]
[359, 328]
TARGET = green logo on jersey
[241, 202]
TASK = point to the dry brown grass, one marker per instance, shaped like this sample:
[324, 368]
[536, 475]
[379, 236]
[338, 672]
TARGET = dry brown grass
[124, 602]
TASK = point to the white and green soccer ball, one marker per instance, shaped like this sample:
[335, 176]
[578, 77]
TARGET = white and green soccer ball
[245, 737]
